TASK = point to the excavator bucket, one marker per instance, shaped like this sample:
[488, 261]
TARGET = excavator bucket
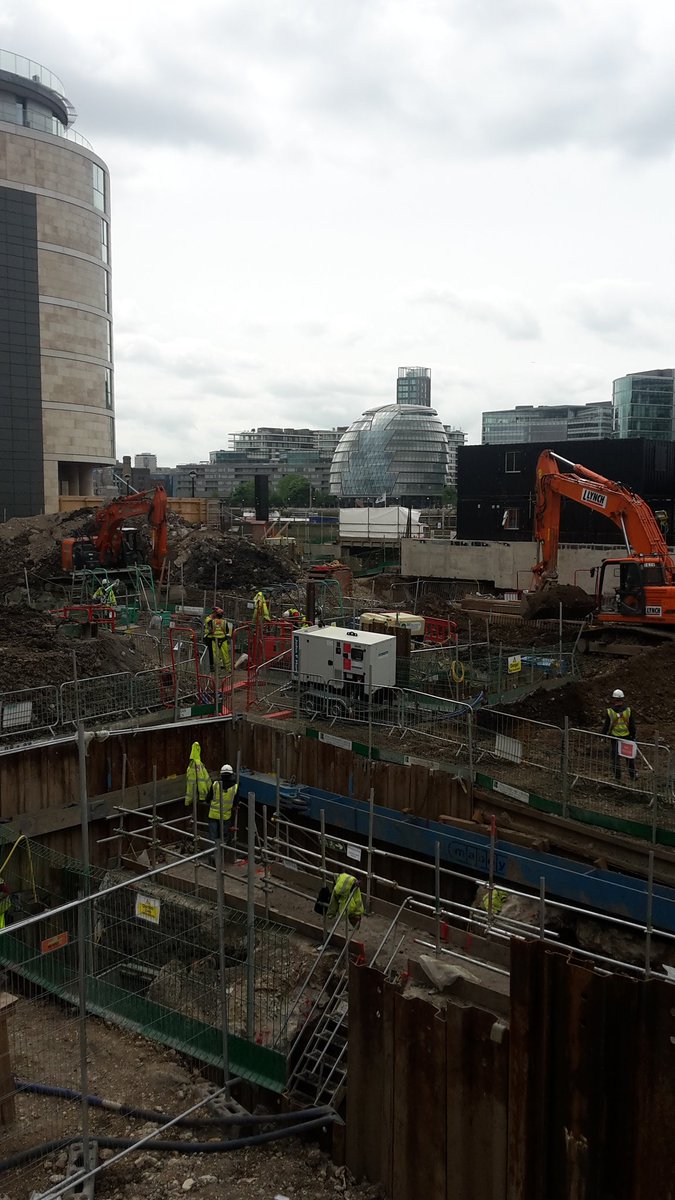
[546, 600]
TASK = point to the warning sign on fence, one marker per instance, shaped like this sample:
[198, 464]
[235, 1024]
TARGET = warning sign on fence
[515, 664]
[56, 942]
[148, 908]
[627, 749]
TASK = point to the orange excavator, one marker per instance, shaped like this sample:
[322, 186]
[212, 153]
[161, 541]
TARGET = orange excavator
[114, 545]
[634, 589]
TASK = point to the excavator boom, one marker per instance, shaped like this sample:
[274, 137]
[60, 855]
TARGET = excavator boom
[641, 582]
[628, 511]
[111, 518]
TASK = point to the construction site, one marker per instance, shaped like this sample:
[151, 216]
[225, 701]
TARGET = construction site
[430, 948]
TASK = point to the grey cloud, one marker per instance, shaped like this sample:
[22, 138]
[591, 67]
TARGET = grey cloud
[471, 77]
[504, 310]
[619, 311]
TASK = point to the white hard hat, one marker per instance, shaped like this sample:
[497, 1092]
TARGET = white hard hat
[226, 770]
[617, 694]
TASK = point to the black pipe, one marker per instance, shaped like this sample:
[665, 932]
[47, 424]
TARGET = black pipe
[115, 1143]
[147, 1114]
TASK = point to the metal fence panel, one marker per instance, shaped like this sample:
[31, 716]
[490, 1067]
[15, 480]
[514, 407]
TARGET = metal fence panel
[101, 696]
[28, 711]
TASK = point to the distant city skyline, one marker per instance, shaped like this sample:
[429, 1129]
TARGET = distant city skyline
[306, 197]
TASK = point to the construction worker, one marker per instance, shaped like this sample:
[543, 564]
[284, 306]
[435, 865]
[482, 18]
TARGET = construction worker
[222, 797]
[298, 620]
[499, 899]
[5, 902]
[105, 593]
[217, 633]
[619, 725]
[261, 610]
[197, 778]
[346, 897]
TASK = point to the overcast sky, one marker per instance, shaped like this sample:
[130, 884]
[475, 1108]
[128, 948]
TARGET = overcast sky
[308, 194]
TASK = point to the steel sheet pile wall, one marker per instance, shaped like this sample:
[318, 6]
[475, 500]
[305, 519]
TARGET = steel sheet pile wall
[591, 1082]
[575, 1102]
[427, 1095]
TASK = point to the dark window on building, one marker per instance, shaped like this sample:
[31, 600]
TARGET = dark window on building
[512, 462]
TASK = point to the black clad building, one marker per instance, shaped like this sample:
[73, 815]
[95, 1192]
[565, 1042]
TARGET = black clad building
[496, 485]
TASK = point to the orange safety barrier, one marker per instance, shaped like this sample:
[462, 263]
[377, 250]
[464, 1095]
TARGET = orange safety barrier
[439, 632]
[94, 614]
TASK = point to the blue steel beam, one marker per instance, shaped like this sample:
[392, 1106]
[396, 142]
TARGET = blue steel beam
[574, 883]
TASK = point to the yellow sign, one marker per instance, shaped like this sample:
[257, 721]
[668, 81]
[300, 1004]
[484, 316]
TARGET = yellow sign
[148, 909]
[515, 664]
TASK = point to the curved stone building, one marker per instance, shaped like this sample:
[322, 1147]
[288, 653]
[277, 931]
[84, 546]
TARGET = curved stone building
[399, 452]
[56, 366]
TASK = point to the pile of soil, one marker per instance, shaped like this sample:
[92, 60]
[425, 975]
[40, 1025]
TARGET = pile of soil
[34, 543]
[647, 680]
[241, 564]
[33, 653]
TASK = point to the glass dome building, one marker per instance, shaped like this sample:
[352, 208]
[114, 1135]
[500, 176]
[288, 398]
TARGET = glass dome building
[399, 452]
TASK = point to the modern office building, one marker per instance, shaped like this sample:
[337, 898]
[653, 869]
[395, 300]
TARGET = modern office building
[456, 438]
[56, 364]
[399, 452]
[496, 487]
[146, 462]
[547, 422]
[413, 386]
[644, 405]
[270, 443]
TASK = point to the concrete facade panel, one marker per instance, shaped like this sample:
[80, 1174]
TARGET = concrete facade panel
[73, 331]
[64, 224]
[67, 381]
[71, 278]
[68, 173]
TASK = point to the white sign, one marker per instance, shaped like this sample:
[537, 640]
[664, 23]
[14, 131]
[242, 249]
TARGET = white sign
[354, 852]
[509, 748]
[148, 908]
[594, 497]
[627, 749]
[330, 740]
[654, 610]
[507, 790]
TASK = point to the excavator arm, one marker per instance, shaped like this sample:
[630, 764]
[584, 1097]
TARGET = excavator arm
[628, 511]
[110, 521]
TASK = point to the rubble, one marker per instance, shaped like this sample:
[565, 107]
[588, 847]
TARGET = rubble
[197, 552]
[33, 654]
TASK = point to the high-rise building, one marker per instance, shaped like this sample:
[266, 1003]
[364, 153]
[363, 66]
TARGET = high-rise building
[269, 442]
[644, 405]
[547, 422]
[456, 438]
[413, 386]
[148, 462]
[56, 365]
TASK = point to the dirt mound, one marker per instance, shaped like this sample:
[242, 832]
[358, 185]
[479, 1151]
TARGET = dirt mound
[240, 563]
[647, 680]
[33, 653]
[34, 543]
[546, 602]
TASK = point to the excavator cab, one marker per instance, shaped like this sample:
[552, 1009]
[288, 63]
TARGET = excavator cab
[629, 588]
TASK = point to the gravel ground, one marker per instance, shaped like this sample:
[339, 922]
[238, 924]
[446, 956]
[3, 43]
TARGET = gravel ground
[129, 1069]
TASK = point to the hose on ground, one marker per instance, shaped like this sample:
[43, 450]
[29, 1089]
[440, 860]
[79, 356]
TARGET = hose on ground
[116, 1143]
[158, 1118]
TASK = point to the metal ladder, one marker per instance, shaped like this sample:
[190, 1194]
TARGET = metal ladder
[319, 1077]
